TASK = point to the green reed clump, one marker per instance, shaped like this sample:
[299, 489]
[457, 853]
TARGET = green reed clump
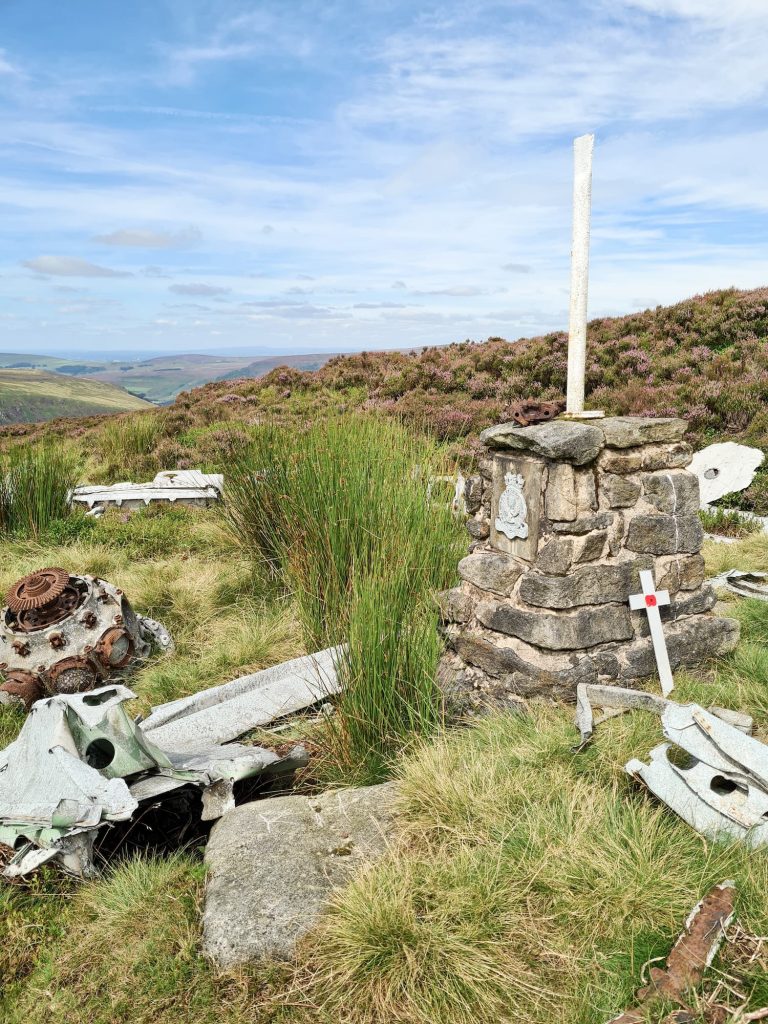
[35, 483]
[126, 445]
[339, 515]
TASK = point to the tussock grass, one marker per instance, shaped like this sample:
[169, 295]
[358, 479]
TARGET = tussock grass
[126, 446]
[728, 523]
[35, 482]
[749, 554]
[339, 516]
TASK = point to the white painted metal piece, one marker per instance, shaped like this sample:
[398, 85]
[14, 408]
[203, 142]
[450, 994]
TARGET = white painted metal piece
[744, 584]
[80, 761]
[723, 790]
[583, 147]
[225, 712]
[184, 486]
[724, 469]
[651, 600]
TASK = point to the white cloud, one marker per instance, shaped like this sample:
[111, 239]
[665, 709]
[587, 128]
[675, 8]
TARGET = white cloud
[70, 266]
[146, 239]
[198, 289]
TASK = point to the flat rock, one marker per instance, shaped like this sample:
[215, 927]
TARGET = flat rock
[455, 605]
[490, 570]
[272, 865]
[558, 631]
[632, 431]
[665, 535]
[564, 441]
[690, 641]
[598, 584]
[675, 492]
[620, 491]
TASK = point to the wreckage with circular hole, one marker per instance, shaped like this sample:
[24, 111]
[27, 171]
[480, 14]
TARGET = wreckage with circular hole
[61, 633]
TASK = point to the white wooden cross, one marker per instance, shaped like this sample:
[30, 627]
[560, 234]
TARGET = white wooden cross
[651, 599]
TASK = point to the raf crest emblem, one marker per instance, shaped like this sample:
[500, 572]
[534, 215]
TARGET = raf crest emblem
[513, 511]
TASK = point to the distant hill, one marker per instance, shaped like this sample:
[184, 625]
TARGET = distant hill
[264, 364]
[28, 396]
[160, 378]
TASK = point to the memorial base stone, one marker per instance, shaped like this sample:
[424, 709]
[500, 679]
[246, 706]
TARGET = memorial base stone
[564, 516]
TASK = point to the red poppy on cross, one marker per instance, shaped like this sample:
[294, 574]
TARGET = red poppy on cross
[650, 599]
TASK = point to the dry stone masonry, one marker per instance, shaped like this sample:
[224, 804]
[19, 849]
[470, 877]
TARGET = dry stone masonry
[563, 517]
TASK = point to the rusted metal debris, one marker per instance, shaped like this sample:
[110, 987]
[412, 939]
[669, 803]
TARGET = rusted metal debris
[61, 633]
[689, 958]
[527, 411]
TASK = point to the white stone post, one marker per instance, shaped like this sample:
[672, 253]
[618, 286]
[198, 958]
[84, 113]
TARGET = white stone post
[583, 147]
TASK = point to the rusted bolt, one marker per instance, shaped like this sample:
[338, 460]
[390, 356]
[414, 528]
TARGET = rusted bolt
[89, 620]
[3, 665]
[118, 591]
[88, 648]
[118, 620]
[21, 648]
[57, 641]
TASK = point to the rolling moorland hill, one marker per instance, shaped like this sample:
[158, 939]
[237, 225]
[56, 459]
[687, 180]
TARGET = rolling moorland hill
[28, 395]
[705, 359]
[160, 378]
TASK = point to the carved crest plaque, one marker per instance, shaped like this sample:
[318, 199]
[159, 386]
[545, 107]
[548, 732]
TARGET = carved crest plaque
[512, 518]
[516, 505]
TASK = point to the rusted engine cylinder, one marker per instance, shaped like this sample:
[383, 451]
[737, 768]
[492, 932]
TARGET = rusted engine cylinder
[66, 634]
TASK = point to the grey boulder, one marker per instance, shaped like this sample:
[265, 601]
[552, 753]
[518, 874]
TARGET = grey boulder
[273, 864]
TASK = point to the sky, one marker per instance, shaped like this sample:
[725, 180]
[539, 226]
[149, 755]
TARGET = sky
[301, 176]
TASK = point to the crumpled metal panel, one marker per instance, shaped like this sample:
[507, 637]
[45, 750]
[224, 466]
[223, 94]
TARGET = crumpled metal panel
[185, 486]
[722, 790]
[80, 761]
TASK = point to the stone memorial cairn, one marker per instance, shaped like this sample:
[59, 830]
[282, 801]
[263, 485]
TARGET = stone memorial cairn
[563, 517]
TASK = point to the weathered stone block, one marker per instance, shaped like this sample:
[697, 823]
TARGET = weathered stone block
[665, 535]
[473, 493]
[558, 631]
[273, 864]
[588, 548]
[490, 570]
[679, 572]
[556, 556]
[620, 491]
[683, 603]
[454, 605]
[585, 524]
[563, 441]
[586, 490]
[689, 642]
[522, 669]
[668, 456]
[632, 431]
[560, 499]
[675, 492]
[592, 584]
[480, 529]
[620, 462]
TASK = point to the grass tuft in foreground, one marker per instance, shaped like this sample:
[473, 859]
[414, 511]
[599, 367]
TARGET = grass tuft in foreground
[35, 483]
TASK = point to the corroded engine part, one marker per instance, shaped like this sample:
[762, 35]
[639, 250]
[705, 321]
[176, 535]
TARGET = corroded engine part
[66, 634]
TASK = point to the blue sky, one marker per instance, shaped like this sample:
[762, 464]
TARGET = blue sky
[181, 175]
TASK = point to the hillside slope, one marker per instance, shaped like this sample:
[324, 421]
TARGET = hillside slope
[705, 359]
[28, 396]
